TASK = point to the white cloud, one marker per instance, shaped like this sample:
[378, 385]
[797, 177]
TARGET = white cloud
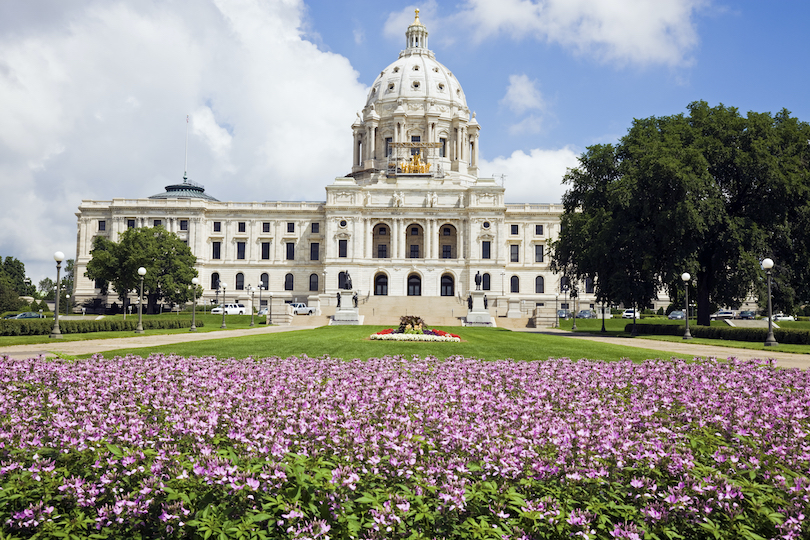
[635, 31]
[94, 99]
[535, 177]
[522, 94]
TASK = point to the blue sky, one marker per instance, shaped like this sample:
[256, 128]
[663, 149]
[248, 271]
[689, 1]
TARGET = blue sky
[94, 93]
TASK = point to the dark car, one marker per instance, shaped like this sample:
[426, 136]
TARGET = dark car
[563, 314]
[676, 315]
[29, 315]
[586, 314]
[747, 315]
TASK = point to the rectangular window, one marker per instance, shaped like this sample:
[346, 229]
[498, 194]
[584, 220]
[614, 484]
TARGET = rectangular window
[414, 231]
[485, 249]
[383, 231]
[215, 250]
[102, 226]
[316, 228]
[183, 224]
[314, 251]
[130, 224]
[414, 251]
[265, 250]
[388, 147]
[266, 227]
[514, 229]
[382, 251]
[343, 248]
[156, 223]
[443, 148]
[446, 231]
[538, 230]
[290, 227]
[242, 226]
[415, 138]
[290, 251]
[447, 252]
[217, 226]
[514, 253]
[538, 253]
[240, 250]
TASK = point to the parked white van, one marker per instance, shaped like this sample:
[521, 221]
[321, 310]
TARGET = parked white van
[230, 309]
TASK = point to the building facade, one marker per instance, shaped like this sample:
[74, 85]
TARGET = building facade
[412, 219]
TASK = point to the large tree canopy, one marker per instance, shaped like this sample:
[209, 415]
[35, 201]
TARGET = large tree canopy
[168, 261]
[711, 193]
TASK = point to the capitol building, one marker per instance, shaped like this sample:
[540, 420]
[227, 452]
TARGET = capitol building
[413, 221]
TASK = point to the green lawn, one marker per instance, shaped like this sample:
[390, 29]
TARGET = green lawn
[352, 342]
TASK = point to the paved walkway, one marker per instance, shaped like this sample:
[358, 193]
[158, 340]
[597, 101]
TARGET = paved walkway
[75, 348]
[686, 349]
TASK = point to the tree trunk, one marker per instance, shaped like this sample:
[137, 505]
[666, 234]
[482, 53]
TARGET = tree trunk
[702, 298]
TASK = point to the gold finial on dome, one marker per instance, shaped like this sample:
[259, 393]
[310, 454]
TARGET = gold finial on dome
[416, 18]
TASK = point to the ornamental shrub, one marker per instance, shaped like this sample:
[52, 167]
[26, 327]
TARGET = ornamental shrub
[782, 335]
[41, 327]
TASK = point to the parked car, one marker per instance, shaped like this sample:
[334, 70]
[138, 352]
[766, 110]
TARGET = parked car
[630, 314]
[722, 314]
[563, 314]
[302, 309]
[230, 309]
[677, 315]
[783, 317]
[29, 315]
[586, 314]
[747, 315]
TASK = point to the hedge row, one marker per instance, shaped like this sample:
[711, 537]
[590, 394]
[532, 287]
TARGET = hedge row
[782, 335]
[39, 327]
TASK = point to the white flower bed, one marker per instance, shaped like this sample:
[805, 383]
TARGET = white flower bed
[413, 337]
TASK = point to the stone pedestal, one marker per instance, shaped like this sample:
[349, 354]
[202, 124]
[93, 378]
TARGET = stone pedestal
[478, 315]
[346, 313]
[514, 309]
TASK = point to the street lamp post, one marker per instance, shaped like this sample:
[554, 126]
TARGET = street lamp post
[574, 297]
[67, 304]
[603, 317]
[565, 291]
[770, 341]
[261, 288]
[270, 309]
[252, 297]
[55, 332]
[194, 283]
[139, 328]
[223, 285]
[557, 310]
[686, 277]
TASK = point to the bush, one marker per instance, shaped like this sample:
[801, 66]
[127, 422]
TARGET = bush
[41, 327]
[782, 335]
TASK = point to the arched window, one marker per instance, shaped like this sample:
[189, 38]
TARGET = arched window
[381, 285]
[215, 281]
[539, 285]
[515, 282]
[414, 285]
[485, 282]
[288, 282]
[448, 285]
[313, 282]
[240, 281]
[265, 279]
[342, 280]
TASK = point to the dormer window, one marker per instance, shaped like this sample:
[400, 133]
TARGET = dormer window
[441, 87]
[391, 87]
[396, 70]
[416, 67]
[416, 85]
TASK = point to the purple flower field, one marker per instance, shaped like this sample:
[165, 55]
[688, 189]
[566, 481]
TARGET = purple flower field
[172, 447]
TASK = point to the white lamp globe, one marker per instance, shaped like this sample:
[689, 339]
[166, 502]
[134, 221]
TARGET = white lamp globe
[59, 256]
[767, 264]
[141, 271]
[685, 276]
[195, 281]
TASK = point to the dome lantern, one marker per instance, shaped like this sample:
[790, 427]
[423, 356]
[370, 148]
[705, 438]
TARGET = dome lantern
[416, 37]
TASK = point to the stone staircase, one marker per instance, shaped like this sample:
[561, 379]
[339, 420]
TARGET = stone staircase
[386, 311]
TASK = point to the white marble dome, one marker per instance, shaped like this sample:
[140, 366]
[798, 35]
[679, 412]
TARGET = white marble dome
[416, 76]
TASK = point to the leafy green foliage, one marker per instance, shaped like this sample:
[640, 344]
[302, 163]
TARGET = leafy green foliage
[710, 193]
[168, 261]
[42, 327]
